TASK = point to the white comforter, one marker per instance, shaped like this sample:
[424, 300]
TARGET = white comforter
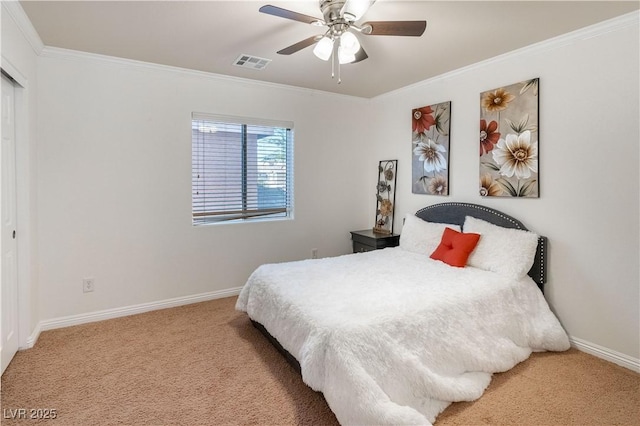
[393, 337]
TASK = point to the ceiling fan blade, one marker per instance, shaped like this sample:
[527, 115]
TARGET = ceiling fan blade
[300, 45]
[289, 14]
[356, 8]
[361, 55]
[395, 28]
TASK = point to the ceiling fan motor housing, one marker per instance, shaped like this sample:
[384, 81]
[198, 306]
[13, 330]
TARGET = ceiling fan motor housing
[331, 10]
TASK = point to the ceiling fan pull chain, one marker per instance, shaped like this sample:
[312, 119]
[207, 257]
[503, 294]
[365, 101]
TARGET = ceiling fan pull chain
[333, 62]
[337, 49]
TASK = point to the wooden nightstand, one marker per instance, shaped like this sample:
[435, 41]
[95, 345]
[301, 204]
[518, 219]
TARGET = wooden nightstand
[367, 240]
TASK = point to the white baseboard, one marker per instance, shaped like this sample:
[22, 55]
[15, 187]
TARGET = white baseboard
[33, 338]
[125, 311]
[605, 353]
[582, 345]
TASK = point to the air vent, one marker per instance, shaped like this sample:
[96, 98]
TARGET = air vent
[252, 62]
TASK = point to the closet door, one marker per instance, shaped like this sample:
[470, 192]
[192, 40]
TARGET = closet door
[8, 248]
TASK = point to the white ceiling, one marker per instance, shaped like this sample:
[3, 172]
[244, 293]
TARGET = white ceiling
[210, 35]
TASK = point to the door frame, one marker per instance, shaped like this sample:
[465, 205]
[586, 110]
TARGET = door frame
[24, 219]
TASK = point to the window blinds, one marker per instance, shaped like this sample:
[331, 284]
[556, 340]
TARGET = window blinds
[241, 169]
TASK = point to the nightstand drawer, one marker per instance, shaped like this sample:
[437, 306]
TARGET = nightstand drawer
[359, 247]
[367, 240]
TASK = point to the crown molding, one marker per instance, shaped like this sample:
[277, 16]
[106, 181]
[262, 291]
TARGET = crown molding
[76, 55]
[17, 13]
[611, 25]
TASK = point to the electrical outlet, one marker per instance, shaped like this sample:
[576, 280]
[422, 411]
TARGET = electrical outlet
[88, 285]
[314, 253]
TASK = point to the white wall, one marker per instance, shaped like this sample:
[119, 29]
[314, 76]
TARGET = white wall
[111, 190]
[588, 141]
[20, 60]
[114, 163]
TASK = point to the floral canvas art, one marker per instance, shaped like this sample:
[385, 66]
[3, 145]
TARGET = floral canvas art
[509, 141]
[386, 196]
[430, 147]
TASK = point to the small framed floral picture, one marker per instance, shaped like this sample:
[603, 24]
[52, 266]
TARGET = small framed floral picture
[386, 196]
[509, 141]
[430, 145]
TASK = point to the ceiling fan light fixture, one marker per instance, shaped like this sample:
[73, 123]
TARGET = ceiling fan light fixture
[349, 17]
[349, 43]
[340, 42]
[324, 48]
[345, 57]
[357, 8]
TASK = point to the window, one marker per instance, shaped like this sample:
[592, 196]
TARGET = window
[242, 169]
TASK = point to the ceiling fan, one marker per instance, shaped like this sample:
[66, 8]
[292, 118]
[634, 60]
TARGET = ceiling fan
[339, 41]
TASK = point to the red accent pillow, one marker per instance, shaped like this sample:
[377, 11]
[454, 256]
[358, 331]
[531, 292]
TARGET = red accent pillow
[455, 247]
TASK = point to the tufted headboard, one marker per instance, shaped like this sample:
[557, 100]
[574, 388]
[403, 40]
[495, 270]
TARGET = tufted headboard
[455, 213]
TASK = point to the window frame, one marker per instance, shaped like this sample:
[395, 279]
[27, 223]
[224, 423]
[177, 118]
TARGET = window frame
[241, 216]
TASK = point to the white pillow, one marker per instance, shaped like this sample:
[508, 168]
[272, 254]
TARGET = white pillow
[422, 237]
[507, 251]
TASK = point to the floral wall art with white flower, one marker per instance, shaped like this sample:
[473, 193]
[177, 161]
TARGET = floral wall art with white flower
[430, 146]
[509, 141]
[386, 196]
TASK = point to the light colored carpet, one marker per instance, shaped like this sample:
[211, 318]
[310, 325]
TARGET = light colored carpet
[205, 364]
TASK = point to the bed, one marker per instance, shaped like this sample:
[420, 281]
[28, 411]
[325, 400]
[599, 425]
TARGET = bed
[394, 336]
